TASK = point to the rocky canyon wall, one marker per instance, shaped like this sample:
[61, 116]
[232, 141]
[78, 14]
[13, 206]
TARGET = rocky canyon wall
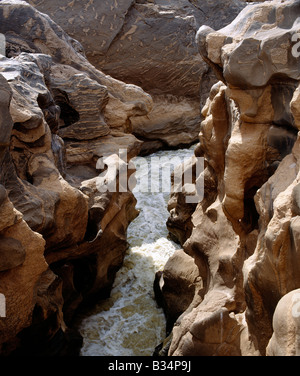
[150, 43]
[239, 266]
[61, 239]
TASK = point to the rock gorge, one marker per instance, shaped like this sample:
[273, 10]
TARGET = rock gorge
[142, 75]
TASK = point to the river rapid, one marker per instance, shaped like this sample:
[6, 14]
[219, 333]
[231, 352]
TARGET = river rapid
[130, 323]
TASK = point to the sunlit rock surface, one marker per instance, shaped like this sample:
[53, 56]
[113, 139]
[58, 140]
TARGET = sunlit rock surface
[62, 240]
[243, 235]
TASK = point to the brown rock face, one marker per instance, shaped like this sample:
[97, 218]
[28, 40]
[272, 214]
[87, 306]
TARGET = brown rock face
[21, 250]
[62, 239]
[12, 253]
[244, 233]
[178, 285]
[150, 44]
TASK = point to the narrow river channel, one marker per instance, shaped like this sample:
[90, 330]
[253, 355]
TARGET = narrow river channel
[130, 323]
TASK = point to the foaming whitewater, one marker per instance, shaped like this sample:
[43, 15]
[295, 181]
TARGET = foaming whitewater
[130, 323]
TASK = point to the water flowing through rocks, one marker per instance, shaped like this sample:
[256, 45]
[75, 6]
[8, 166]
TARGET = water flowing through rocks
[130, 323]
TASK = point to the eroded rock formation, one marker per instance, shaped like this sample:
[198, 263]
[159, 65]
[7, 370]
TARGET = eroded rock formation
[150, 43]
[62, 237]
[243, 236]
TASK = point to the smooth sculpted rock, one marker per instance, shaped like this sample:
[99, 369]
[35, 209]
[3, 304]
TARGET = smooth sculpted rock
[30, 168]
[286, 321]
[255, 86]
[237, 52]
[245, 232]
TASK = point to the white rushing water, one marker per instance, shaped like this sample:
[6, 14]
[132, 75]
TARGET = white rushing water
[129, 323]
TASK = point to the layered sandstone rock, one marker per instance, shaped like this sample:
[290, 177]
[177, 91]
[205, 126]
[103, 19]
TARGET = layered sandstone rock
[62, 236]
[21, 250]
[244, 232]
[150, 44]
[112, 103]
